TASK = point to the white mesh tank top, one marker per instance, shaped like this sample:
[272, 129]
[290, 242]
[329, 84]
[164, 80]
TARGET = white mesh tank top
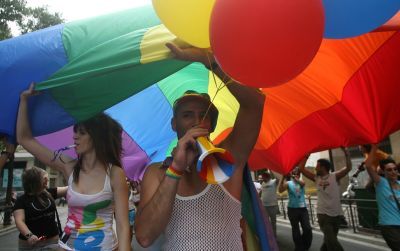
[209, 220]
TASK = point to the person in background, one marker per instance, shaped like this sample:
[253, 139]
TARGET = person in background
[387, 197]
[96, 182]
[35, 212]
[257, 184]
[329, 207]
[7, 154]
[269, 197]
[297, 210]
[133, 202]
[379, 155]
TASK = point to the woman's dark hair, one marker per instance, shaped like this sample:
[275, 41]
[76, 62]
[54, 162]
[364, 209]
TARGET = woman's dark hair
[106, 136]
[325, 164]
[32, 181]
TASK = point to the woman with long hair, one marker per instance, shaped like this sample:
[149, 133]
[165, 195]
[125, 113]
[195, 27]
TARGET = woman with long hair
[35, 211]
[96, 182]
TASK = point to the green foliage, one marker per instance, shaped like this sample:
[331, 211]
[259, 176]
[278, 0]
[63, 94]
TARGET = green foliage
[5, 31]
[38, 18]
[10, 11]
[26, 18]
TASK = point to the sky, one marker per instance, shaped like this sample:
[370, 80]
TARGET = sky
[79, 9]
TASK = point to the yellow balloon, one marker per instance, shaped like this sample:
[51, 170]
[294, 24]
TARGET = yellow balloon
[189, 20]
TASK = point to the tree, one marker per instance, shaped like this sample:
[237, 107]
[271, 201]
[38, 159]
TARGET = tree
[38, 18]
[10, 11]
[26, 18]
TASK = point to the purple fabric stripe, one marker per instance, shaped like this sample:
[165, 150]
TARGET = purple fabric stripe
[134, 160]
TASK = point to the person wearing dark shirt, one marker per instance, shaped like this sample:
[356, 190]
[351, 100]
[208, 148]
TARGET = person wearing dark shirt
[35, 210]
[7, 154]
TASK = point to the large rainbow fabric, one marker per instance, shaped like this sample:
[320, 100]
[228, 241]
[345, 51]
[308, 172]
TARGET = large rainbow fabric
[118, 63]
[256, 226]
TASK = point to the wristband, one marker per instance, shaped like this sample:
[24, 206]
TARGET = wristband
[173, 173]
[28, 235]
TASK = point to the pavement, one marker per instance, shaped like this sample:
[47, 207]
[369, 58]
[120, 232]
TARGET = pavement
[372, 239]
[361, 238]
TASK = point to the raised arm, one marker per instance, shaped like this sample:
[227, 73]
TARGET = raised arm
[304, 171]
[282, 184]
[158, 190]
[369, 164]
[345, 170]
[244, 134]
[25, 138]
[251, 101]
[62, 191]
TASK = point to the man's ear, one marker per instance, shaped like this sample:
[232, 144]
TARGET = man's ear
[173, 124]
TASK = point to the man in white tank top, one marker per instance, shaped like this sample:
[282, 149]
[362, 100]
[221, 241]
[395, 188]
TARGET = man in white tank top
[175, 201]
[329, 208]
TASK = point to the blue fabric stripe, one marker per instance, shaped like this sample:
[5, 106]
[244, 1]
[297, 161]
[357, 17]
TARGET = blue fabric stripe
[146, 118]
[32, 57]
[226, 167]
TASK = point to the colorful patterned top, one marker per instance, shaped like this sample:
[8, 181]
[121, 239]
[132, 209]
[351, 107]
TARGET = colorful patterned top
[90, 220]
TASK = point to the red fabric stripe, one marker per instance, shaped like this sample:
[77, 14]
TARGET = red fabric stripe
[367, 113]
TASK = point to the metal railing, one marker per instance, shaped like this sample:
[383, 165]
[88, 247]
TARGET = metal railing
[359, 214]
[5, 209]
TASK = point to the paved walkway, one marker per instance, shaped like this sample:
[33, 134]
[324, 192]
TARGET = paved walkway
[359, 239]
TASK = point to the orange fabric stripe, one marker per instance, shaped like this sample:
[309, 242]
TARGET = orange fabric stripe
[320, 86]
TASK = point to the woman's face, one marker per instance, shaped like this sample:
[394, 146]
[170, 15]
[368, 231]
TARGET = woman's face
[82, 140]
[45, 180]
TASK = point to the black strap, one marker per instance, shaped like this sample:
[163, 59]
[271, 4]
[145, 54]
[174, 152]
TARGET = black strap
[58, 224]
[394, 196]
[58, 217]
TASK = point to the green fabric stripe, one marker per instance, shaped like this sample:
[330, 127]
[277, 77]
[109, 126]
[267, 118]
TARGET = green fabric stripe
[82, 35]
[104, 66]
[86, 97]
[193, 77]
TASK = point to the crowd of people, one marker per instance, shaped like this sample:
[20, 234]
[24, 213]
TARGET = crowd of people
[172, 202]
[383, 172]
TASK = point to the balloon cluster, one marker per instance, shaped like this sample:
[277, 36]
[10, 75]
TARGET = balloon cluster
[264, 43]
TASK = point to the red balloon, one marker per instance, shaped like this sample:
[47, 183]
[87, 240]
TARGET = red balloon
[264, 43]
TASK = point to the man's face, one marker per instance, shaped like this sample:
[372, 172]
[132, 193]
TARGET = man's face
[319, 169]
[390, 171]
[190, 114]
[260, 178]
